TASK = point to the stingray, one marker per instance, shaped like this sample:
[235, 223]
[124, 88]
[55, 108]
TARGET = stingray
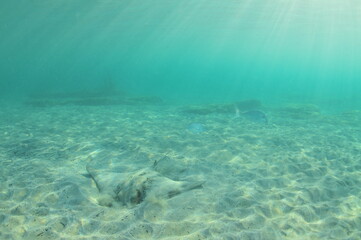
[132, 188]
[255, 116]
[196, 128]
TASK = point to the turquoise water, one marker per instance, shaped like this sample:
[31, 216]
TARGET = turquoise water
[184, 120]
[184, 50]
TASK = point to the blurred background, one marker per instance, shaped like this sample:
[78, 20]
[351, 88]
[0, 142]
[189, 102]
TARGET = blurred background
[184, 51]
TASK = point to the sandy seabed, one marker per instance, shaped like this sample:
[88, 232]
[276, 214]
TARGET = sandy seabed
[298, 177]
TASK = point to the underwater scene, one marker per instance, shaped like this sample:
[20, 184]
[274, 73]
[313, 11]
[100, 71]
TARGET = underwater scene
[180, 120]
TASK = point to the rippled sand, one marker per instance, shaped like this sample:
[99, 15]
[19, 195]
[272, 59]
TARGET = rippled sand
[299, 177]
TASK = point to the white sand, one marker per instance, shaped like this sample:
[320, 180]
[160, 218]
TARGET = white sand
[297, 178]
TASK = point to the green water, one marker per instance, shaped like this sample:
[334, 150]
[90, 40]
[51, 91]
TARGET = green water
[184, 50]
[180, 119]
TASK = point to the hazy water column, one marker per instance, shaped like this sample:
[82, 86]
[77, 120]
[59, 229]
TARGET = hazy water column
[201, 50]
